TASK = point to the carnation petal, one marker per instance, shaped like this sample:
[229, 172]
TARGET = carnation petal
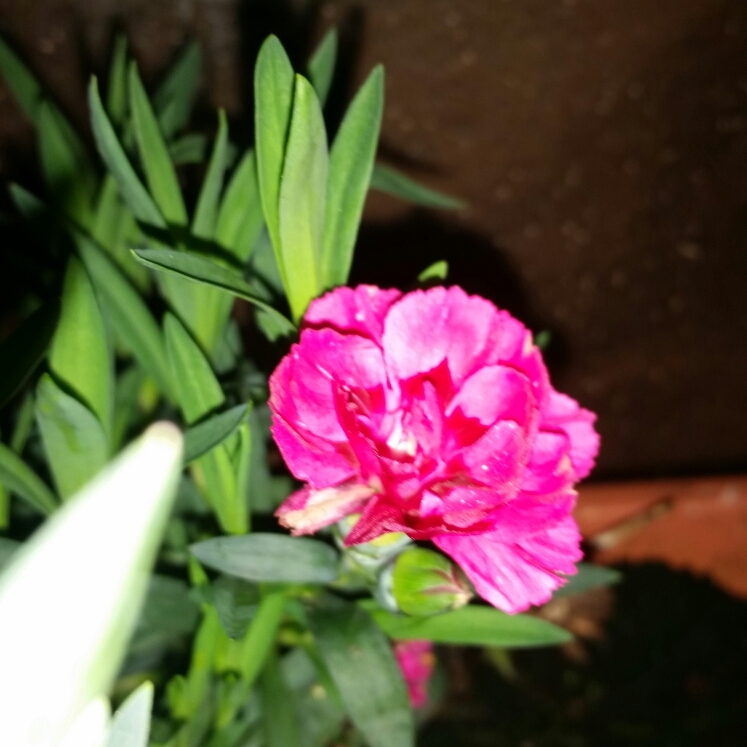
[516, 574]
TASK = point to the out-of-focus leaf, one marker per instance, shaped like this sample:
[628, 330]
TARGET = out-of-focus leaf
[65, 163]
[436, 271]
[206, 435]
[131, 188]
[260, 638]
[473, 626]
[386, 179]
[273, 92]
[159, 171]
[270, 557]
[128, 505]
[73, 438]
[175, 96]
[19, 478]
[237, 602]
[206, 212]
[24, 423]
[302, 199]
[201, 270]
[20, 80]
[8, 548]
[27, 203]
[22, 352]
[116, 93]
[191, 148]
[588, 576]
[131, 723]
[278, 716]
[240, 216]
[322, 65]
[266, 491]
[128, 313]
[127, 409]
[350, 164]
[362, 664]
[80, 356]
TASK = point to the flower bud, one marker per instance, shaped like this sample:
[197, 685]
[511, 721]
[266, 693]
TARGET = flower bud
[426, 583]
[371, 556]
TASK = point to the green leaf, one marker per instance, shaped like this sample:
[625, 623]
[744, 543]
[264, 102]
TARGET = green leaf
[8, 549]
[237, 602]
[322, 65]
[197, 390]
[302, 198]
[159, 171]
[80, 356]
[588, 576]
[473, 626]
[67, 169]
[270, 557]
[206, 212]
[202, 270]
[392, 182]
[362, 664]
[128, 313]
[116, 93]
[191, 148]
[204, 436]
[131, 188]
[24, 423]
[19, 478]
[20, 80]
[240, 217]
[73, 438]
[260, 638]
[436, 271]
[273, 93]
[27, 203]
[278, 715]
[106, 539]
[350, 166]
[22, 352]
[131, 723]
[174, 99]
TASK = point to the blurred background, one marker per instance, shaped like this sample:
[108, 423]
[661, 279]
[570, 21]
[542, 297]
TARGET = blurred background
[601, 146]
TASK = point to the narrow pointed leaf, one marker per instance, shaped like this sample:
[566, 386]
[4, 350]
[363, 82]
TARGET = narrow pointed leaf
[131, 723]
[67, 168]
[473, 626]
[201, 270]
[240, 216]
[260, 638]
[80, 355]
[204, 436]
[350, 165]
[273, 93]
[302, 198]
[322, 65]
[74, 440]
[80, 653]
[279, 721]
[116, 94]
[128, 313]
[22, 352]
[270, 557]
[362, 664]
[191, 148]
[27, 203]
[436, 271]
[131, 188]
[206, 212]
[174, 99]
[19, 478]
[20, 80]
[159, 171]
[392, 182]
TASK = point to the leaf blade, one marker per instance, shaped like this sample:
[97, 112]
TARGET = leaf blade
[201, 438]
[206, 211]
[19, 478]
[322, 65]
[392, 182]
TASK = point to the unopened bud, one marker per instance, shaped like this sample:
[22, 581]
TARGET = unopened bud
[425, 582]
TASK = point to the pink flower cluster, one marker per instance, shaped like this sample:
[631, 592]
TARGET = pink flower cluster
[431, 413]
[417, 661]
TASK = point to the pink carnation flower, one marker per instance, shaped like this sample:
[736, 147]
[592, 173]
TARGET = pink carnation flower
[431, 413]
[416, 660]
